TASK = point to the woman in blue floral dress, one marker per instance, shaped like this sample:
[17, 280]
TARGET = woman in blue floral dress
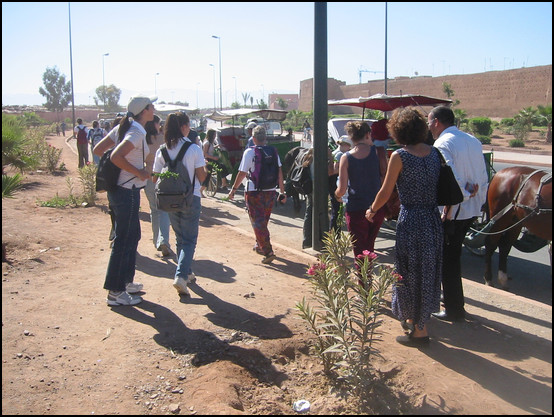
[414, 169]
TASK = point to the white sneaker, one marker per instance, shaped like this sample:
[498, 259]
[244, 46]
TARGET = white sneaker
[122, 298]
[181, 285]
[134, 287]
[191, 278]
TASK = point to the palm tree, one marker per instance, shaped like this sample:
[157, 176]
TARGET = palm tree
[245, 97]
[546, 113]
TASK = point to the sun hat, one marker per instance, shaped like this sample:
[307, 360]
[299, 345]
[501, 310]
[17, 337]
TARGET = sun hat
[138, 104]
[344, 139]
[251, 125]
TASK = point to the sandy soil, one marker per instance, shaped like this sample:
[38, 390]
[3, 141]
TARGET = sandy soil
[236, 346]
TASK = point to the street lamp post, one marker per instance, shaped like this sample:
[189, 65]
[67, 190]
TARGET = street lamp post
[155, 84]
[213, 67]
[104, 82]
[197, 84]
[235, 78]
[220, 88]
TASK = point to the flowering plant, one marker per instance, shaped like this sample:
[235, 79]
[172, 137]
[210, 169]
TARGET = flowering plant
[350, 298]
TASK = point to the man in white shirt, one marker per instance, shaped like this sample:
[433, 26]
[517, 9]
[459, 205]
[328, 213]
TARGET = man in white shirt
[464, 153]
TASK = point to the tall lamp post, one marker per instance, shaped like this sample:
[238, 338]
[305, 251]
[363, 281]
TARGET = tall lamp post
[197, 84]
[213, 67]
[104, 81]
[155, 84]
[235, 78]
[220, 88]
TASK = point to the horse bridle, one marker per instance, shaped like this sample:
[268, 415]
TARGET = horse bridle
[533, 211]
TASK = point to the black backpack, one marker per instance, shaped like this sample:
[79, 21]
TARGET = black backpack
[300, 176]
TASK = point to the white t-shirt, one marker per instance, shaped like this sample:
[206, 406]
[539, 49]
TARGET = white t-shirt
[194, 158]
[137, 136]
[247, 164]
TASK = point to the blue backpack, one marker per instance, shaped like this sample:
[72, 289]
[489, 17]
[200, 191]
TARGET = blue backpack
[266, 168]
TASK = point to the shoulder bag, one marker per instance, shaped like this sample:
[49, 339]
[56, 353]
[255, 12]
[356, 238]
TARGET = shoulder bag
[448, 189]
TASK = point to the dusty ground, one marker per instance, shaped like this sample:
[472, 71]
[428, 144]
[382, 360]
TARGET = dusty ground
[235, 347]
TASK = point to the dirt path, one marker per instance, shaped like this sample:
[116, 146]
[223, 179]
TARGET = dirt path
[235, 347]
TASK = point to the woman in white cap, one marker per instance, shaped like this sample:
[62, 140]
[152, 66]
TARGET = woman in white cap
[129, 155]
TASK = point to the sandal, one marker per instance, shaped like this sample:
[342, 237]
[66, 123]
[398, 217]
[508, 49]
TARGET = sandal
[408, 340]
[408, 327]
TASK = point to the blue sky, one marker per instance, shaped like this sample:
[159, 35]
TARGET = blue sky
[265, 47]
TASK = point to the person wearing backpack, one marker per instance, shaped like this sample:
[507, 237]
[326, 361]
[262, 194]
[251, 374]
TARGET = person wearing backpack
[129, 154]
[159, 219]
[95, 135]
[81, 133]
[260, 190]
[185, 221]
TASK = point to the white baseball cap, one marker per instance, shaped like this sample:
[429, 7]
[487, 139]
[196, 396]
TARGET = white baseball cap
[139, 103]
[344, 139]
[251, 125]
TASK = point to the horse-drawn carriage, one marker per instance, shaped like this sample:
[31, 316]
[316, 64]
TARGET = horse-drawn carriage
[232, 137]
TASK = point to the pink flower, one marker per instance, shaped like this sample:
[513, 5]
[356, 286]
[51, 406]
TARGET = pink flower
[312, 270]
[371, 256]
[397, 276]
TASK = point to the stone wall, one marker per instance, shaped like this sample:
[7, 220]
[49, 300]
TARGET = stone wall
[496, 94]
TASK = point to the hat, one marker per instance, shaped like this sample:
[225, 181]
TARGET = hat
[379, 130]
[251, 125]
[344, 139]
[139, 103]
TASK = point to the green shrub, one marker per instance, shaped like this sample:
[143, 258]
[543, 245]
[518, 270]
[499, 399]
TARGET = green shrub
[350, 302]
[481, 125]
[485, 140]
[507, 122]
[517, 143]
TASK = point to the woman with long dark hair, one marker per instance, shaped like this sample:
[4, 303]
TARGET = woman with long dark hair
[185, 223]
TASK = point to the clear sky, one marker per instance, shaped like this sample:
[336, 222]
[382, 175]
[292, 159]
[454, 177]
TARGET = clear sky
[265, 47]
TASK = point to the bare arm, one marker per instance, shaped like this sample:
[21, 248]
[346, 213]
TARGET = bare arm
[393, 171]
[240, 176]
[201, 173]
[102, 146]
[118, 158]
[343, 177]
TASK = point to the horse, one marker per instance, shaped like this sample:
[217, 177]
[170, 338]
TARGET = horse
[517, 197]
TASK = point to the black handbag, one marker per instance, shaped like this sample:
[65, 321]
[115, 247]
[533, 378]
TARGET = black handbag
[448, 189]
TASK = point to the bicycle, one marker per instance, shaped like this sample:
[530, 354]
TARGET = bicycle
[213, 181]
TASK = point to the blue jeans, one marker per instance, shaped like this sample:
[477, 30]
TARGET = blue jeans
[158, 218]
[185, 225]
[121, 267]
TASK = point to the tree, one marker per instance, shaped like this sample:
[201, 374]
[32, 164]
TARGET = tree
[245, 97]
[111, 94]
[282, 103]
[56, 90]
[262, 104]
[447, 89]
[546, 113]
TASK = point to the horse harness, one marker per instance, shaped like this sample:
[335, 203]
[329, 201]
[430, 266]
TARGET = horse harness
[546, 178]
[533, 211]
